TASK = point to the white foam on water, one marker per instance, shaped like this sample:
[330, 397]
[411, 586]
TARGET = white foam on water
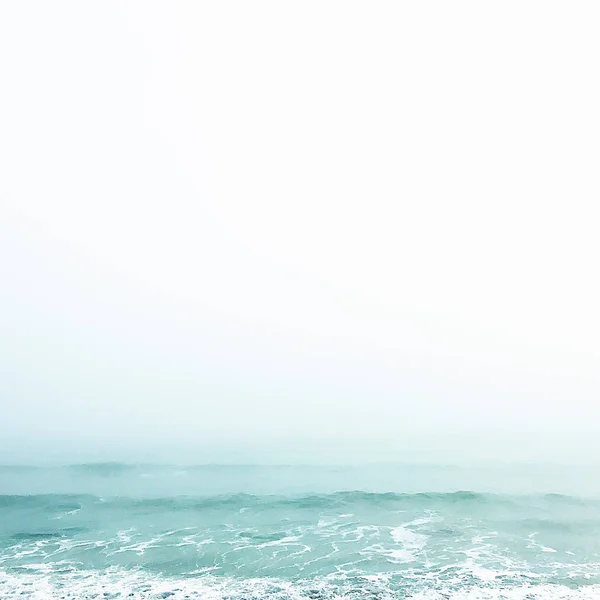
[533, 544]
[288, 539]
[194, 540]
[412, 542]
[137, 585]
[409, 539]
[401, 555]
[21, 553]
[538, 592]
[66, 514]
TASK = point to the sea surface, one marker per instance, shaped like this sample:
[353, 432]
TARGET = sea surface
[239, 532]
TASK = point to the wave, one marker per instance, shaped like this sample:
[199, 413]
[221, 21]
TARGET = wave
[47, 535]
[73, 501]
[309, 501]
[105, 469]
[20, 468]
[57, 501]
[120, 584]
[91, 468]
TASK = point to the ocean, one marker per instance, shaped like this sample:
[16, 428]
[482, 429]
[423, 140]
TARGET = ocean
[243, 532]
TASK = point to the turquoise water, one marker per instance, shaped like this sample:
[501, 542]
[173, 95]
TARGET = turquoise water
[245, 532]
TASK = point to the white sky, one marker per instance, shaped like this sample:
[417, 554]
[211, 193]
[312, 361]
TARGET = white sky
[265, 220]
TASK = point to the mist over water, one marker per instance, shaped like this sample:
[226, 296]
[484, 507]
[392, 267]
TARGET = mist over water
[298, 301]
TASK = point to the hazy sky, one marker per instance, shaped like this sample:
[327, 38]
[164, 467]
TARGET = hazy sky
[242, 221]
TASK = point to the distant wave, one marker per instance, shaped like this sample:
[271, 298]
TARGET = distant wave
[59, 501]
[20, 468]
[310, 501]
[103, 468]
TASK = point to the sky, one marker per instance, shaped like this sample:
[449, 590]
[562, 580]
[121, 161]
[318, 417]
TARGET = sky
[259, 225]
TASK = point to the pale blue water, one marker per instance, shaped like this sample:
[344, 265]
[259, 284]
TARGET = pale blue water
[243, 532]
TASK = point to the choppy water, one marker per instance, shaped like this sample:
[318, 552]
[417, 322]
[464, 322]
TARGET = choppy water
[115, 531]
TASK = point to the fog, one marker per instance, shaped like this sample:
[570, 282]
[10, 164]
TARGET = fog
[317, 231]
